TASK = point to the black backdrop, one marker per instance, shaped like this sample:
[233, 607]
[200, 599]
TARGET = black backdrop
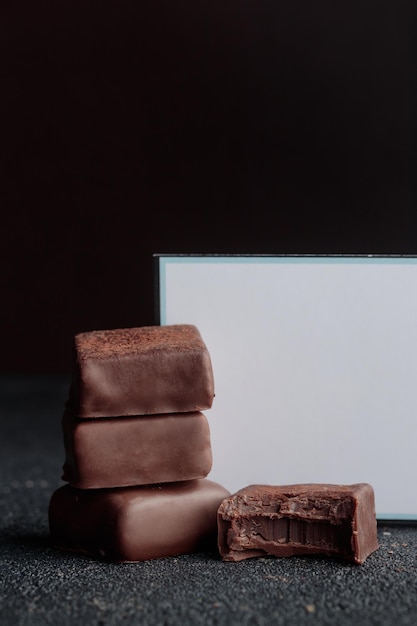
[220, 126]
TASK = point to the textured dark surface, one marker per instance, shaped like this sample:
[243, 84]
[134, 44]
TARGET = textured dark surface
[39, 585]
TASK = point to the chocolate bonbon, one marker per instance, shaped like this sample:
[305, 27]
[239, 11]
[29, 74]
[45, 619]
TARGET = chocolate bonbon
[137, 447]
[118, 452]
[146, 370]
[137, 523]
[332, 520]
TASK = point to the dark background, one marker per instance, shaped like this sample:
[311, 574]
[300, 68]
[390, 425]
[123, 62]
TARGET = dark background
[131, 128]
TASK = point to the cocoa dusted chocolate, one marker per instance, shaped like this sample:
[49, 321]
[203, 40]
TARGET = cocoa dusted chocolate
[137, 523]
[123, 451]
[140, 371]
[332, 520]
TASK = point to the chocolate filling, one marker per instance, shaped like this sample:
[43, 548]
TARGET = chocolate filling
[262, 533]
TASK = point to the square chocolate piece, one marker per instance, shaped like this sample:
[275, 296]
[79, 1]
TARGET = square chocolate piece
[136, 523]
[140, 450]
[332, 520]
[140, 371]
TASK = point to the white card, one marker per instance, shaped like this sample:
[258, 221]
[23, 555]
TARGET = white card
[315, 367]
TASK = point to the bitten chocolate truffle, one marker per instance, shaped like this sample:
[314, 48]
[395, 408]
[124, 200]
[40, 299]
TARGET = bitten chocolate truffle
[137, 523]
[333, 520]
[140, 371]
[118, 452]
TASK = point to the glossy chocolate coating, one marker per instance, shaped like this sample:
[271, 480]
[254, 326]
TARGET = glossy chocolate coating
[137, 523]
[118, 452]
[139, 371]
[333, 520]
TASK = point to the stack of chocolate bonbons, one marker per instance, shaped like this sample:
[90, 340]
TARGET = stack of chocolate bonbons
[138, 447]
